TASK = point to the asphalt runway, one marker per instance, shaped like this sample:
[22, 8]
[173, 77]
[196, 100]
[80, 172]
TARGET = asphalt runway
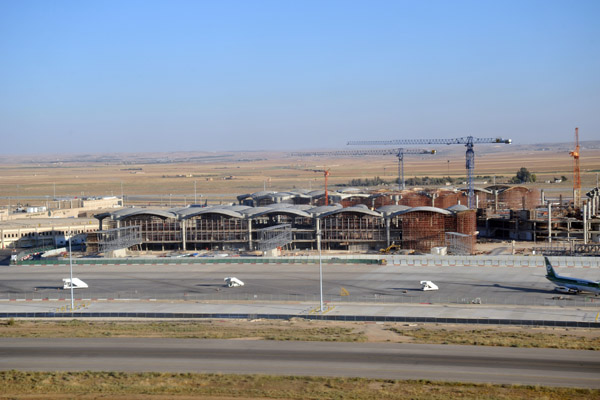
[492, 285]
[548, 367]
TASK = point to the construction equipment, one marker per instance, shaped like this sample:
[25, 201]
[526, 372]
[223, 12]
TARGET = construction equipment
[326, 174]
[428, 285]
[391, 247]
[576, 175]
[232, 281]
[372, 152]
[468, 141]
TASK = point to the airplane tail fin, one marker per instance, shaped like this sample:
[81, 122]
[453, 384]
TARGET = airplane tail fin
[549, 269]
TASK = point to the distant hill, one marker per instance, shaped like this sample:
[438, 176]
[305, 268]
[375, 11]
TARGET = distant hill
[249, 156]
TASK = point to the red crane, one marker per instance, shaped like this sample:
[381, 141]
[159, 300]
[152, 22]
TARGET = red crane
[576, 175]
[326, 174]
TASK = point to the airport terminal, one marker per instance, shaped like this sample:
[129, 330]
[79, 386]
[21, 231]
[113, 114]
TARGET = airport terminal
[412, 221]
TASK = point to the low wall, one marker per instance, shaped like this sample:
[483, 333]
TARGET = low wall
[412, 261]
[349, 318]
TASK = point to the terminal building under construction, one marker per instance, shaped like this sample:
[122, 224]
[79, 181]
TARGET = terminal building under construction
[411, 221]
[414, 220]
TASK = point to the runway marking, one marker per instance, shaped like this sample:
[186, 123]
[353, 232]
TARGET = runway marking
[317, 310]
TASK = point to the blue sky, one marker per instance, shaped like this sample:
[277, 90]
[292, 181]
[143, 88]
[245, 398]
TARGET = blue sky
[131, 76]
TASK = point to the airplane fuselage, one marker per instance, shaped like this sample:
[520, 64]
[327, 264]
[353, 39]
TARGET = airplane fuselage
[576, 284]
[580, 285]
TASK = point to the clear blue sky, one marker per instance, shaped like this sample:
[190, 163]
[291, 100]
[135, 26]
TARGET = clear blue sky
[128, 76]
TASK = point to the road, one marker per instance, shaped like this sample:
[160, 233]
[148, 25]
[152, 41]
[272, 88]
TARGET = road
[548, 367]
[492, 285]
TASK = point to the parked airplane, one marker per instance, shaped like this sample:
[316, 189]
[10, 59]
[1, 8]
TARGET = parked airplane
[566, 284]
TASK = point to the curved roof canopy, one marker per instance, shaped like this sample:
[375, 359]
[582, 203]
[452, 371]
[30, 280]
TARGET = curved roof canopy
[391, 209]
[229, 211]
[476, 189]
[422, 209]
[131, 212]
[355, 210]
[318, 211]
[457, 208]
[280, 208]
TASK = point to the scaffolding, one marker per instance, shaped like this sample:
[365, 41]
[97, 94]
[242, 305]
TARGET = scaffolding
[119, 238]
[350, 229]
[274, 237]
[460, 243]
[423, 230]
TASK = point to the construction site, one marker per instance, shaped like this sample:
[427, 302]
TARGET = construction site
[415, 220]
[439, 219]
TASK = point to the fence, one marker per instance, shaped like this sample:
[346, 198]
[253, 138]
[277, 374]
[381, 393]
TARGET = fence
[554, 300]
[401, 260]
[321, 317]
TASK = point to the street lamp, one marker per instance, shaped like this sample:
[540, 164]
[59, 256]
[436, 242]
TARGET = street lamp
[320, 269]
[71, 269]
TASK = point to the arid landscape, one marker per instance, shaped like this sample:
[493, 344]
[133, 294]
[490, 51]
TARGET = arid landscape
[176, 178]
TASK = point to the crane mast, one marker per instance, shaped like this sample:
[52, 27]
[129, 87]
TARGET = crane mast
[576, 175]
[468, 141]
[370, 152]
[326, 175]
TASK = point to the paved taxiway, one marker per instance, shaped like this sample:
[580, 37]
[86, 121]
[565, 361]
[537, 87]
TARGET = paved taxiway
[507, 293]
[492, 285]
[550, 367]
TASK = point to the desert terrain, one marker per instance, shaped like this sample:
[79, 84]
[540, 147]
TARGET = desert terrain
[174, 179]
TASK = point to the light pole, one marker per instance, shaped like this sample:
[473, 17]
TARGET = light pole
[320, 269]
[71, 269]
[195, 196]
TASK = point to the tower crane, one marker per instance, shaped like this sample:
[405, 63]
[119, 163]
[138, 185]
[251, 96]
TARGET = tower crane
[468, 141]
[576, 176]
[326, 174]
[370, 152]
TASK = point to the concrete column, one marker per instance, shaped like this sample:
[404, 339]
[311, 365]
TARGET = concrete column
[549, 222]
[496, 201]
[318, 228]
[249, 234]
[585, 223]
[184, 234]
[387, 231]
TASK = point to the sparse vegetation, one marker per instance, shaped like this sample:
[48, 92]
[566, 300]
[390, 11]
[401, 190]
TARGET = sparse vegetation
[159, 386]
[299, 329]
[494, 337]
[424, 181]
[523, 176]
[211, 329]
